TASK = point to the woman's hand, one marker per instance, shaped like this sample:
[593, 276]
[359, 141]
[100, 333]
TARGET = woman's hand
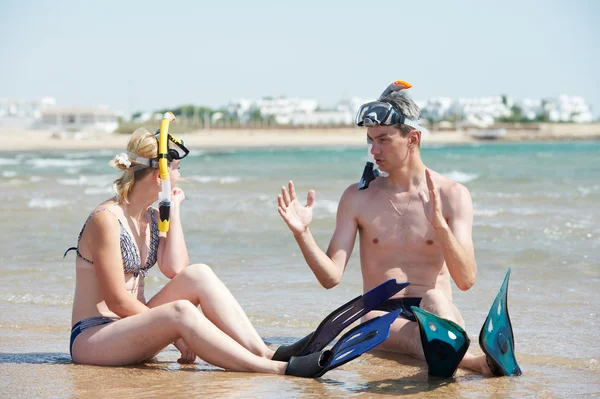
[187, 356]
[177, 196]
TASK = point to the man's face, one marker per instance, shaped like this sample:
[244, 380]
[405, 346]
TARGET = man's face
[389, 147]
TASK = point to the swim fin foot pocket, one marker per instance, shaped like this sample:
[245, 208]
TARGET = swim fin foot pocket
[351, 345]
[444, 343]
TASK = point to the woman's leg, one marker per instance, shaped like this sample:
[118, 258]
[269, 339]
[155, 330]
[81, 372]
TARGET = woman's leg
[135, 338]
[199, 285]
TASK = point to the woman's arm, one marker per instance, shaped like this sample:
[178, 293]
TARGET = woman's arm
[172, 252]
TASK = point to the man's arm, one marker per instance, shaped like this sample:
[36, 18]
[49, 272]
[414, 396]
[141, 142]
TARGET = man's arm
[327, 267]
[455, 231]
[456, 238]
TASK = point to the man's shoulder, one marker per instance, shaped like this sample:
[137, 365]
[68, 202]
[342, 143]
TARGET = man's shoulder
[453, 193]
[449, 186]
[353, 192]
[353, 188]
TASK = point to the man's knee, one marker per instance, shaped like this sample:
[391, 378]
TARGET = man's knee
[404, 338]
[436, 302]
[433, 299]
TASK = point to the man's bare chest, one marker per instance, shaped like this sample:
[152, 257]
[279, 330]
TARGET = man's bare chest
[384, 228]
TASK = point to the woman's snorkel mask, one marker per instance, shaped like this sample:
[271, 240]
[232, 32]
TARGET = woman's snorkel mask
[380, 113]
[169, 149]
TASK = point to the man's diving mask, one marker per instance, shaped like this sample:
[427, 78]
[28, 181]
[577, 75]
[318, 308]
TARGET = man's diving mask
[381, 113]
[177, 150]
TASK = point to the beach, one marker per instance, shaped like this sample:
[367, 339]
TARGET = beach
[18, 140]
[535, 211]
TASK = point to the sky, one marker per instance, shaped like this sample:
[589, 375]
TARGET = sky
[147, 55]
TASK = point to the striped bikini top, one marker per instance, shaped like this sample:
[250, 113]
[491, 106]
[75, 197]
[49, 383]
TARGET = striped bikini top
[129, 252]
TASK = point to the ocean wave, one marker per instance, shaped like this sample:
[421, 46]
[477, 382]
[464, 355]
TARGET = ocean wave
[461, 177]
[4, 161]
[99, 190]
[216, 179]
[86, 180]
[37, 299]
[327, 205]
[491, 194]
[81, 180]
[41, 163]
[9, 173]
[509, 211]
[487, 212]
[90, 154]
[46, 203]
[584, 191]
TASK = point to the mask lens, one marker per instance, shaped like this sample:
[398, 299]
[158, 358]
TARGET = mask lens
[374, 113]
[176, 149]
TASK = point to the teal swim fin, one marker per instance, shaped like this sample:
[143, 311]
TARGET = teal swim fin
[444, 343]
[496, 337]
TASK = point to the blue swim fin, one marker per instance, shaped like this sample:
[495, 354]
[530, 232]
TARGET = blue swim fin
[338, 320]
[496, 337]
[350, 346]
[444, 343]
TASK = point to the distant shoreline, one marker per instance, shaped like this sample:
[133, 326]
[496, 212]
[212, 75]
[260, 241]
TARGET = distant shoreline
[33, 140]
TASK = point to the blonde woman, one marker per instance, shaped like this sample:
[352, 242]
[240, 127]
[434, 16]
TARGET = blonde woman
[112, 323]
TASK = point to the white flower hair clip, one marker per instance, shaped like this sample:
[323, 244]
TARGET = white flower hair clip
[123, 159]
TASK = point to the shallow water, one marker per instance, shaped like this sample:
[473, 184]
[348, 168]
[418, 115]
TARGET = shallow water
[535, 212]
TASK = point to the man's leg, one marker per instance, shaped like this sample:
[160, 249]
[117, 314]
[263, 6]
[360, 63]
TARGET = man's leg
[405, 337]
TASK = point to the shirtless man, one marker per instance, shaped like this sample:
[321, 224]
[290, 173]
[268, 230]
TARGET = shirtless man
[425, 240]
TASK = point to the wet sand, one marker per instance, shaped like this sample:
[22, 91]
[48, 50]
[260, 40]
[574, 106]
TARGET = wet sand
[379, 375]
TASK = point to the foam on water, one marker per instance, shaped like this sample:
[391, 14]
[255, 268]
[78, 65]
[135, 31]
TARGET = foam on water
[216, 179]
[46, 203]
[108, 190]
[329, 207]
[461, 177]
[58, 162]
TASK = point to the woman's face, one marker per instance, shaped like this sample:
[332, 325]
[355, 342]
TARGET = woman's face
[174, 172]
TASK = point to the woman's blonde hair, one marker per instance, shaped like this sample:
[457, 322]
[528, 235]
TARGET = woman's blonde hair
[143, 144]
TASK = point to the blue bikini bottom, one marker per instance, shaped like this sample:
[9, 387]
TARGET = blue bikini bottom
[84, 324]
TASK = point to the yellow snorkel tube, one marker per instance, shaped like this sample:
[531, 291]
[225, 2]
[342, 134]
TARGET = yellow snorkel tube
[164, 197]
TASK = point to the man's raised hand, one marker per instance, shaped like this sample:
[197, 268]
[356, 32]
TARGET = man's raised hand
[296, 216]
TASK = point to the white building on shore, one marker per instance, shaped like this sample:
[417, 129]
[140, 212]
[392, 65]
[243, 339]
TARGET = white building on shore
[485, 111]
[568, 109]
[23, 114]
[296, 111]
[100, 120]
